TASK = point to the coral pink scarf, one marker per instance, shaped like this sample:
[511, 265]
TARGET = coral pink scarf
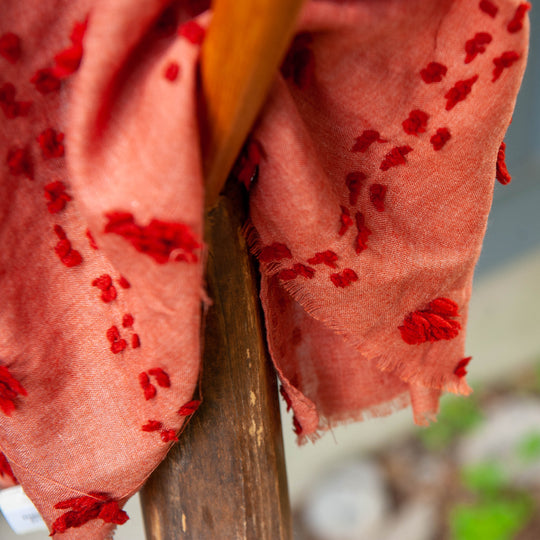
[370, 170]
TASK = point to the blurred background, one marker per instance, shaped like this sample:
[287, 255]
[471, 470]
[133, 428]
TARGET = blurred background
[475, 474]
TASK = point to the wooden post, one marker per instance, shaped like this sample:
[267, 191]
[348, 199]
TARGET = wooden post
[226, 478]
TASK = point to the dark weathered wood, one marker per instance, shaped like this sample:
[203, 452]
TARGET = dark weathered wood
[226, 479]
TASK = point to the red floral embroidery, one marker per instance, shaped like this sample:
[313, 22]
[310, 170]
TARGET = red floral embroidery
[297, 270]
[433, 72]
[286, 397]
[354, 181]
[135, 341]
[127, 320]
[502, 174]
[5, 468]
[460, 369]
[299, 64]
[459, 92]
[324, 257]
[344, 278]
[297, 428]
[171, 71]
[476, 46]
[168, 435]
[189, 408]
[86, 508]
[19, 162]
[246, 168]
[395, 157]
[363, 233]
[432, 324]
[91, 240]
[10, 388]
[192, 31]
[161, 377]
[68, 256]
[117, 343]
[68, 61]
[366, 139]
[516, 24]
[45, 81]
[377, 194]
[441, 137]
[346, 220]
[148, 388]
[416, 123]
[56, 196]
[161, 240]
[51, 143]
[105, 285]
[10, 47]
[124, 283]
[152, 425]
[506, 59]
[488, 7]
[8, 104]
[275, 252]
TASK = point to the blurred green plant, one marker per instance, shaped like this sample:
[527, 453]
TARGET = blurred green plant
[528, 449]
[457, 416]
[486, 478]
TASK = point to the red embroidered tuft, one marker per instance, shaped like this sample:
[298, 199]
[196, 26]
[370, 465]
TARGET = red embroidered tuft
[275, 252]
[161, 377]
[476, 46]
[299, 64]
[86, 508]
[366, 139]
[163, 241]
[113, 334]
[286, 397]
[10, 47]
[105, 285]
[431, 324]
[117, 344]
[192, 31]
[91, 240]
[395, 157]
[459, 92]
[377, 193]
[168, 435]
[297, 428]
[441, 137]
[324, 257]
[152, 425]
[297, 270]
[148, 388]
[12, 109]
[45, 81]
[433, 72]
[68, 256]
[363, 233]
[10, 388]
[460, 370]
[354, 181]
[51, 143]
[502, 174]
[344, 279]
[5, 468]
[506, 59]
[68, 61]
[488, 7]
[416, 123]
[246, 168]
[516, 24]
[189, 408]
[135, 341]
[123, 282]
[171, 71]
[345, 220]
[127, 320]
[19, 162]
[56, 196]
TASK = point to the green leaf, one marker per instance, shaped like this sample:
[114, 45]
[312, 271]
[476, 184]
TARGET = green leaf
[486, 478]
[528, 448]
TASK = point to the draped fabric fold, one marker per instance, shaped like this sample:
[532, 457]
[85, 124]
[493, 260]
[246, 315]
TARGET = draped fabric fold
[370, 171]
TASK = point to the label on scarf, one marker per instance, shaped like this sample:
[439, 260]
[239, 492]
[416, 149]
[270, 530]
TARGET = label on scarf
[19, 511]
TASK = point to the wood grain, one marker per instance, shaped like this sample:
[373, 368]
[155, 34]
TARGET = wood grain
[226, 477]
